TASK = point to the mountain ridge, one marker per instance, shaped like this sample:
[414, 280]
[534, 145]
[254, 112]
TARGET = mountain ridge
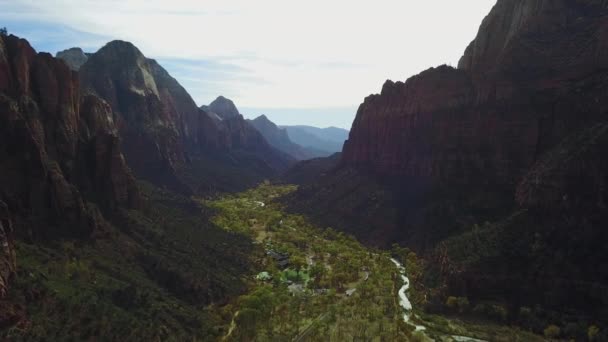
[165, 134]
[325, 141]
[279, 138]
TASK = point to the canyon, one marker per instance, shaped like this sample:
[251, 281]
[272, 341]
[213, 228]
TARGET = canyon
[474, 193]
[503, 150]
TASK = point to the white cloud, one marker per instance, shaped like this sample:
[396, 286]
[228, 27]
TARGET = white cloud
[302, 53]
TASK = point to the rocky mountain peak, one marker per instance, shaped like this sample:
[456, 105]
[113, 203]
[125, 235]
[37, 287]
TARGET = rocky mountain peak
[224, 107]
[263, 120]
[73, 57]
[119, 68]
[121, 48]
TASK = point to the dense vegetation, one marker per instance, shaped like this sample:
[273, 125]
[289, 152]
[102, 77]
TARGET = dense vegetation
[159, 276]
[196, 269]
[334, 288]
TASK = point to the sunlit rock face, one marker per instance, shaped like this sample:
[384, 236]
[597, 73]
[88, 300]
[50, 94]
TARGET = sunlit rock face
[143, 99]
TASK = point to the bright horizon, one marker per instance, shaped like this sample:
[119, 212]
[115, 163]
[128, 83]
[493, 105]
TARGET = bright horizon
[305, 63]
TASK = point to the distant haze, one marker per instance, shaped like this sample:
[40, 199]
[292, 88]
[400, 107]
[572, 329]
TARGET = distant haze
[341, 117]
[326, 55]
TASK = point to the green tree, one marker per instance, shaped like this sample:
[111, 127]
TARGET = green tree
[593, 333]
[552, 331]
[3, 31]
[297, 262]
[460, 304]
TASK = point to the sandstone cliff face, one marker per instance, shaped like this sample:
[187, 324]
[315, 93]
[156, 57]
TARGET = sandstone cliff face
[572, 175]
[533, 75]
[541, 33]
[60, 162]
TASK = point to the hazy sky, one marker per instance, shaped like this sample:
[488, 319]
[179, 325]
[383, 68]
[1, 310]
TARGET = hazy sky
[317, 57]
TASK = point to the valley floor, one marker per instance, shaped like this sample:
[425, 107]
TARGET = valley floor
[314, 284]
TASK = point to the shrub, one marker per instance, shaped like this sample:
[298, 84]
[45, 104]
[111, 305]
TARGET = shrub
[493, 311]
[552, 331]
[463, 304]
[417, 336]
[460, 304]
[593, 333]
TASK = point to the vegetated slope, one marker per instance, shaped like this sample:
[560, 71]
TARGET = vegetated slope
[506, 138]
[278, 138]
[165, 136]
[326, 141]
[86, 252]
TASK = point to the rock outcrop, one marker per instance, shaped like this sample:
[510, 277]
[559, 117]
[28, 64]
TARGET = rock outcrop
[60, 161]
[73, 57]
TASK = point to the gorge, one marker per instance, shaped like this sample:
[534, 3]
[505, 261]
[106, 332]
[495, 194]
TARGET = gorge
[466, 203]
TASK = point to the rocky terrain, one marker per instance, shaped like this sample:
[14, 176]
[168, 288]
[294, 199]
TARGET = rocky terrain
[510, 137]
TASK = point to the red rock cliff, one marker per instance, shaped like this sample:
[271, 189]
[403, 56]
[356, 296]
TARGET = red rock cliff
[60, 162]
[535, 73]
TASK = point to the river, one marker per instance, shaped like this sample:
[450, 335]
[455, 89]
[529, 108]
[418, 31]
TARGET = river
[404, 302]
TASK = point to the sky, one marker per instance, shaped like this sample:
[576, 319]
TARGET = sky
[300, 62]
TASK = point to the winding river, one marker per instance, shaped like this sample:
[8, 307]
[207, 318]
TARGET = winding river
[404, 302]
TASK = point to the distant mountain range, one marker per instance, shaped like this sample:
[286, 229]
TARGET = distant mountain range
[326, 141]
[301, 142]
